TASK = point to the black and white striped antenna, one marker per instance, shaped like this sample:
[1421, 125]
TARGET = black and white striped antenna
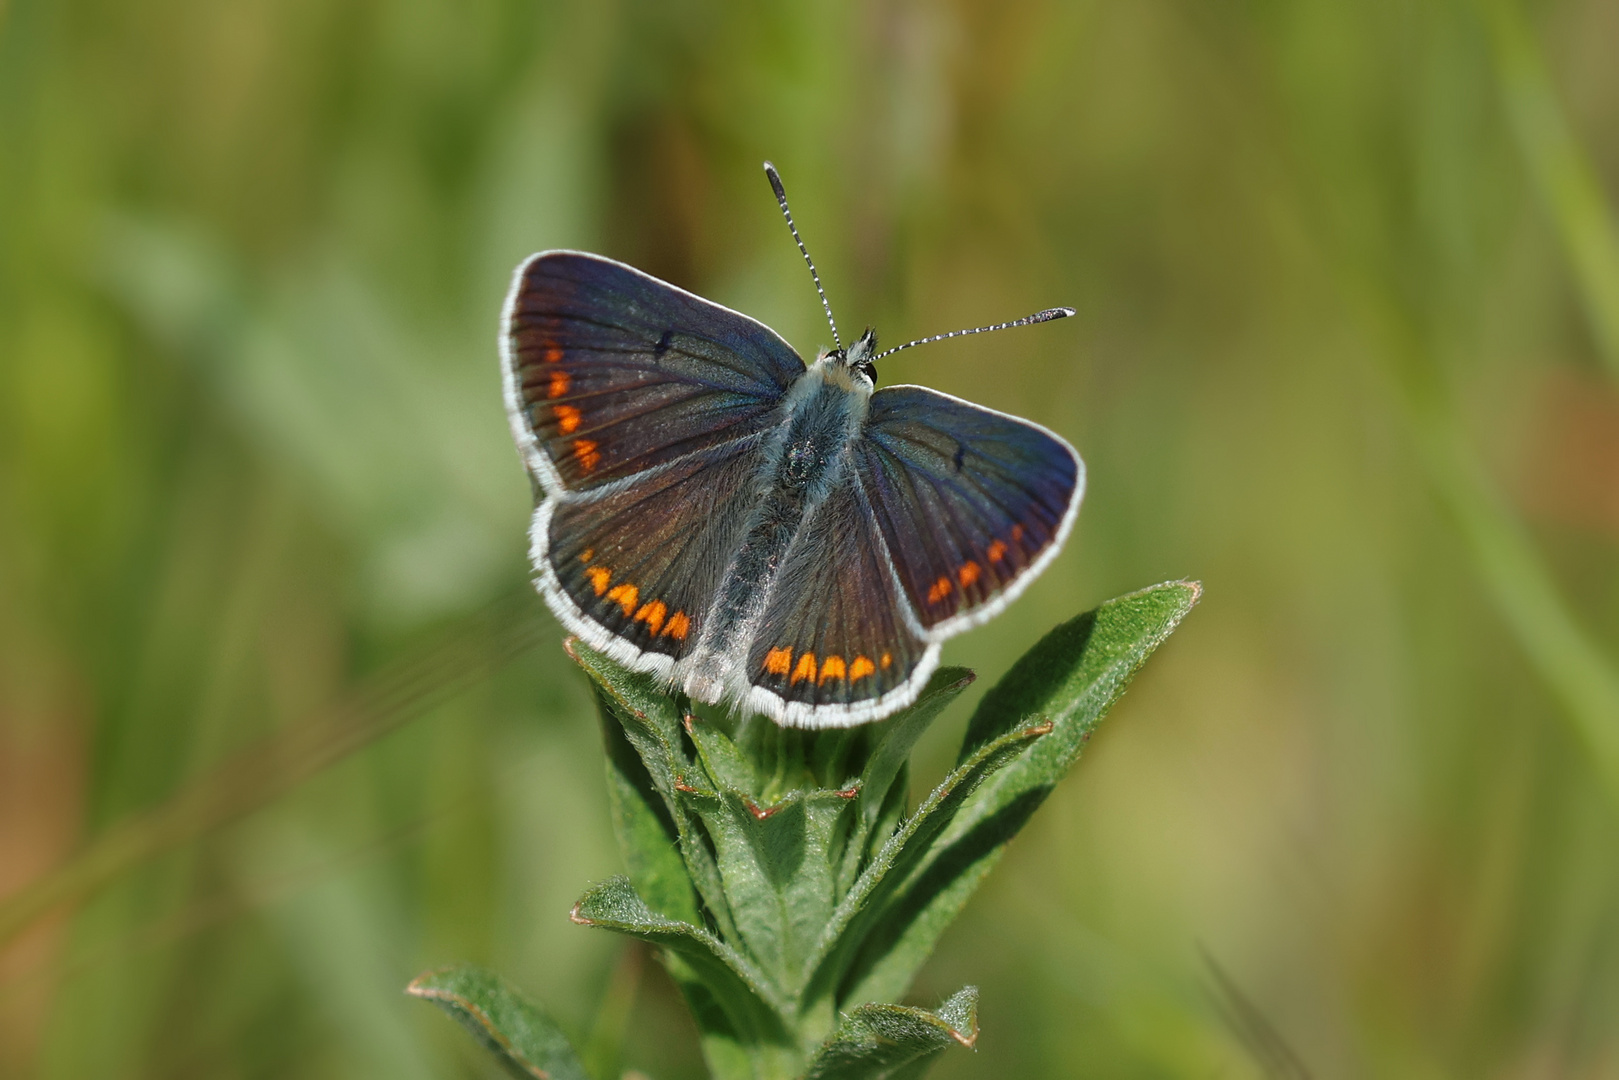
[781, 197]
[1027, 320]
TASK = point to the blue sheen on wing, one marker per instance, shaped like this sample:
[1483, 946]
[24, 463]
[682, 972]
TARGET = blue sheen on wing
[616, 372]
[966, 498]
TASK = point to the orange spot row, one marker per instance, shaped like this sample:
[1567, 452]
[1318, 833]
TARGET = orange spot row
[780, 661]
[968, 573]
[655, 613]
[586, 453]
[804, 670]
[626, 595]
[553, 353]
[567, 419]
[652, 614]
[559, 384]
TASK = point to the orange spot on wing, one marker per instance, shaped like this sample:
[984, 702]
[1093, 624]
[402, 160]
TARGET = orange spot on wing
[585, 451]
[804, 670]
[861, 667]
[968, 573]
[1017, 533]
[940, 590]
[997, 551]
[559, 384]
[678, 626]
[832, 668]
[886, 661]
[626, 595]
[553, 353]
[586, 555]
[652, 614]
[599, 577]
[779, 661]
[567, 419]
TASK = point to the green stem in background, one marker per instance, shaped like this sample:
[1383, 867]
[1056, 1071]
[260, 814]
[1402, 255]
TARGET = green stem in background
[1516, 577]
[1562, 170]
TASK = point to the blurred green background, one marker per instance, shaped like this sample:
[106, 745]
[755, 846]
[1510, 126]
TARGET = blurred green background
[281, 723]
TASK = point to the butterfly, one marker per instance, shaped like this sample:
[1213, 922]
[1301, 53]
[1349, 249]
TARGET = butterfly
[782, 537]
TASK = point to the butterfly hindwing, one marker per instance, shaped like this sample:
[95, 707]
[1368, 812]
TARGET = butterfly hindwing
[971, 502]
[610, 371]
[834, 638]
[636, 566]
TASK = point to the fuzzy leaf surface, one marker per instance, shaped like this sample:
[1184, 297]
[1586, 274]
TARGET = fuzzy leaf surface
[754, 1007]
[887, 763]
[910, 845]
[526, 1041]
[778, 880]
[891, 1042]
[639, 706]
[1069, 679]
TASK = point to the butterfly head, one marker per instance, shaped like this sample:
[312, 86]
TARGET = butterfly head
[859, 359]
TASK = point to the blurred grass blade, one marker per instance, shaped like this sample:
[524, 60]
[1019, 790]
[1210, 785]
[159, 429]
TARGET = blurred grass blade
[1256, 1032]
[465, 655]
[523, 1038]
[888, 1042]
[1562, 170]
[1522, 587]
[1069, 679]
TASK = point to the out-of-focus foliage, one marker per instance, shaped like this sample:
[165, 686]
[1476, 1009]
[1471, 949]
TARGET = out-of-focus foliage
[1345, 351]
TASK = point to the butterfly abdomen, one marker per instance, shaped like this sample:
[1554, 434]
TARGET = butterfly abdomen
[808, 454]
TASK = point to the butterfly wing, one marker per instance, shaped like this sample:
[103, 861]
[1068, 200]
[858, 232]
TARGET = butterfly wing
[632, 568]
[835, 645]
[609, 371]
[971, 503]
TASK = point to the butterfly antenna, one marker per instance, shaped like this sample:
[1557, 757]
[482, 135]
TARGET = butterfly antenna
[1028, 320]
[781, 197]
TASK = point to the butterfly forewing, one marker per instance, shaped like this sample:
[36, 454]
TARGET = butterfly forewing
[610, 372]
[834, 637]
[643, 560]
[970, 501]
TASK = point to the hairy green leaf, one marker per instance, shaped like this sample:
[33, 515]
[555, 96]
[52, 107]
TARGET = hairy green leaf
[886, 766]
[650, 718]
[890, 1042]
[774, 862]
[895, 863]
[527, 1042]
[752, 1004]
[1068, 680]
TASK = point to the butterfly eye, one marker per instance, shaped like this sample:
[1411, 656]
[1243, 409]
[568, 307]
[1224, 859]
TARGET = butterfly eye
[869, 370]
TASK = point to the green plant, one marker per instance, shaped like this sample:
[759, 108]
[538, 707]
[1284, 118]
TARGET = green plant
[777, 872]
